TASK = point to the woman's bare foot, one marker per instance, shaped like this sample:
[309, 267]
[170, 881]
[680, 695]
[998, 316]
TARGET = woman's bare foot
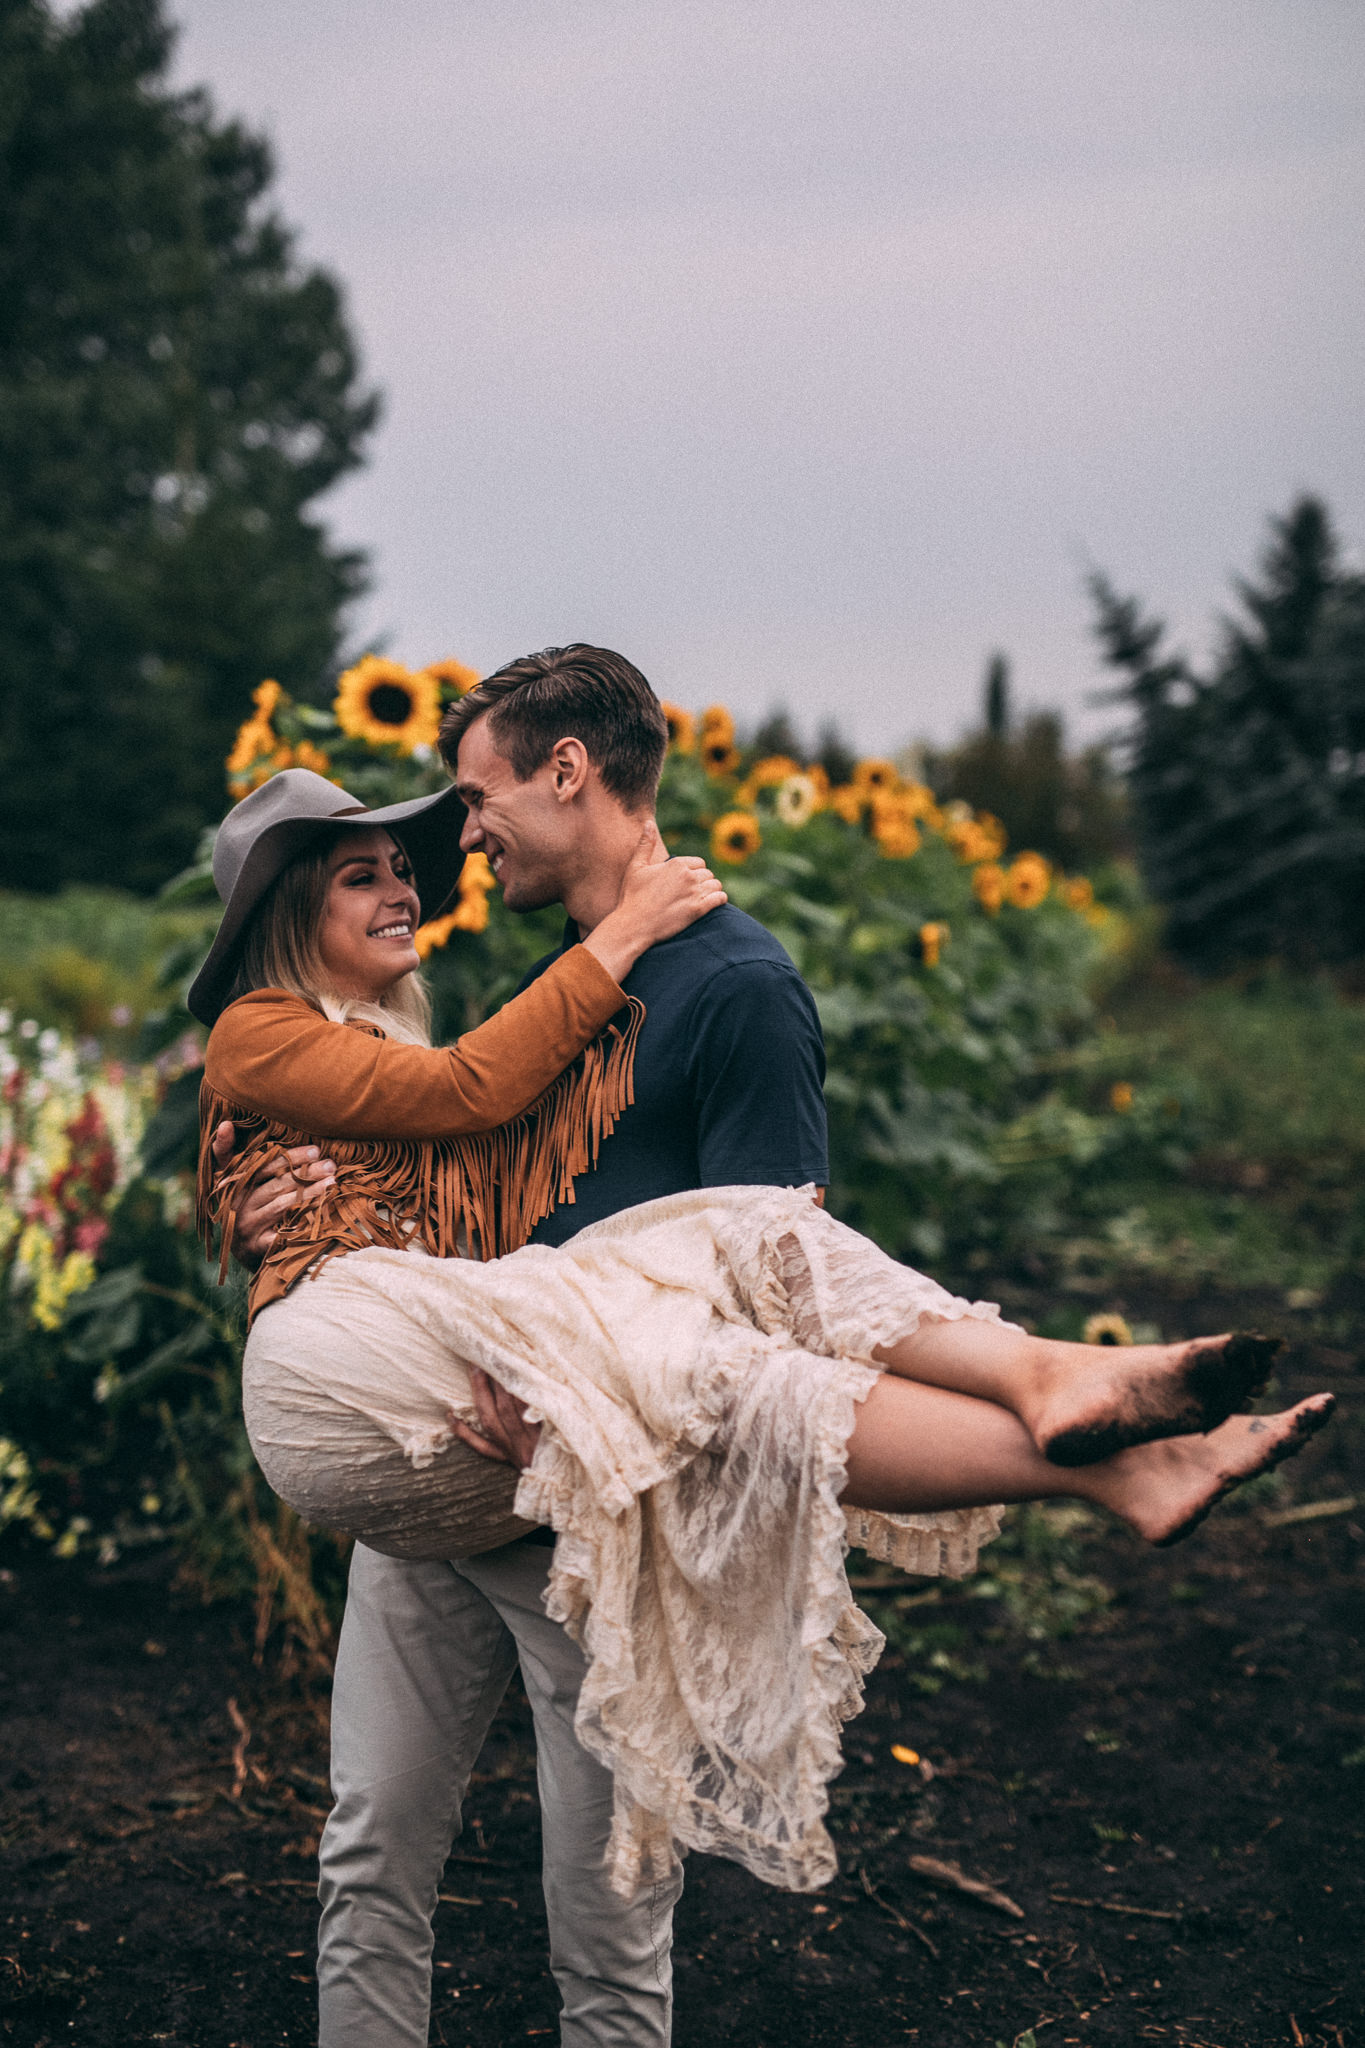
[1164, 1490]
[1096, 1400]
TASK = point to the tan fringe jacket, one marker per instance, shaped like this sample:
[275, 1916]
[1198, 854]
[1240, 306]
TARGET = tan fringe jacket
[457, 1147]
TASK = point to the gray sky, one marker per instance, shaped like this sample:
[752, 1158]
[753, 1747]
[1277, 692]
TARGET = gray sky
[806, 350]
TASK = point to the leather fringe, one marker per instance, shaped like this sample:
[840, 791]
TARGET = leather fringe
[490, 1188]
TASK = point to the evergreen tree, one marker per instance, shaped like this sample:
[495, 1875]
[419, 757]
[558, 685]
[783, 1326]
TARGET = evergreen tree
[998, 697]
[175, 391]
[1068, 806]
[777, 735]
[1249, 782]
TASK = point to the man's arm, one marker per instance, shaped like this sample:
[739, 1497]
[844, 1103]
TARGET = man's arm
[304, 1179]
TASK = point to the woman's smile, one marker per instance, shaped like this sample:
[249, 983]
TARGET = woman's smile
[365, 941]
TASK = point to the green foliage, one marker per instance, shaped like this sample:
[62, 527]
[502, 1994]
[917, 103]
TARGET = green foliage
[175, 391]
[948, 1026]
[1036, 1569]
[1248, 782]
[120, 1394]
[1247, 1167]
[91, 962]
[1072, 807]
[952, 990]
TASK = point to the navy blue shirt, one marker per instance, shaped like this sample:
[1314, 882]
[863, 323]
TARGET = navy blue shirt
[729, 1075]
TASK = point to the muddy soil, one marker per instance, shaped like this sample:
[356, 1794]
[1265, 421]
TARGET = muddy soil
[1172, 1798]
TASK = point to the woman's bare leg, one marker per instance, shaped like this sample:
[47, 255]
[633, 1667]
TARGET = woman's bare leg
[1084, 1402]
[915, 1449]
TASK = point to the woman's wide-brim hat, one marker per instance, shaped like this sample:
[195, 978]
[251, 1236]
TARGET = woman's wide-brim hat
[266, 830]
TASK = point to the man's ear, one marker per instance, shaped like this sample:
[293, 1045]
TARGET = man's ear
[571, 766]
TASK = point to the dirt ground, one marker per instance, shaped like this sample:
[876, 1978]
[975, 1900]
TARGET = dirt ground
[1173, 1797]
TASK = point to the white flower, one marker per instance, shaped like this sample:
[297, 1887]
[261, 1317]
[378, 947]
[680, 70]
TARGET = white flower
[6, 1019]
[29, 1028]
[797, 800]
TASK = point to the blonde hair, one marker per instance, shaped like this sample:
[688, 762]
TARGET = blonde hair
[279, 949]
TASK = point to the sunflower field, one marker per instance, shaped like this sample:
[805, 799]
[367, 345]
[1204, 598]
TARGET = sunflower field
[953, 974]
[973, 1120]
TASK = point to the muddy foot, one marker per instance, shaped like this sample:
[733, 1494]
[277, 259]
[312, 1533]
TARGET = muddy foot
[1164, 1490]
[1120, 1397]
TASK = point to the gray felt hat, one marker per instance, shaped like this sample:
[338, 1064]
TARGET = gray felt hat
[262, 834]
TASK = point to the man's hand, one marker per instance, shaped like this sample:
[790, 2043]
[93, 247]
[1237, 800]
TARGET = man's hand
[305, 1179]
[503, 1432]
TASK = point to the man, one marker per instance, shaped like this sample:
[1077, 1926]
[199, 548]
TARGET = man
[557, 758]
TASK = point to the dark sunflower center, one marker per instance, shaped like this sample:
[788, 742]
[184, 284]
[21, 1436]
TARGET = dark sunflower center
[390, 704]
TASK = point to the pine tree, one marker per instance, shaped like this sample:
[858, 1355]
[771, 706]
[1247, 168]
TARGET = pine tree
[175, 392]
[1249, 782]
[1067, 806]
[998, 697]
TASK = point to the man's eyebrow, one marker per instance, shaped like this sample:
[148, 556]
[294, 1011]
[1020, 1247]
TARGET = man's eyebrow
[467, 791]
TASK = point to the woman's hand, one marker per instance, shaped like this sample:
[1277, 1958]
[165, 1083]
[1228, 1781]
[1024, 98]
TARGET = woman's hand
[659, 898]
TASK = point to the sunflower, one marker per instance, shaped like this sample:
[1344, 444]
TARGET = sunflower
[453, 676]
[719, 756]
[717, 724]
[992, 833]
[682, 729]
[849, 802]
[1121, 1097]
[256, 740]
[1028, 880]
[1078, 893]
[975, 839]
[893, 828]
[734, 837]
[874, 775]
[306, 755]
[932, 938]
[765, 774]
[961, 834]
[1106, 1330]
[470, 914]
[817, 773]
[797, 800]
[920, 802]
[388, 706]
[988, 886]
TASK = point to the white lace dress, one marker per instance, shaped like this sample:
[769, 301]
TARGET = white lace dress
[695, 1362]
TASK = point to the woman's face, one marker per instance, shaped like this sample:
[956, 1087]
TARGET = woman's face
[369, 915]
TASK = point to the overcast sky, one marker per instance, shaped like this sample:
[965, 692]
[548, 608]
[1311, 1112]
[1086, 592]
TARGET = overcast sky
[807, 351]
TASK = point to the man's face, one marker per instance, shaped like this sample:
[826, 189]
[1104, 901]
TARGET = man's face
[521, 827]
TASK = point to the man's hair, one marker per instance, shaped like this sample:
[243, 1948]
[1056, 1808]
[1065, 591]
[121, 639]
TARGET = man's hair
[579, 692]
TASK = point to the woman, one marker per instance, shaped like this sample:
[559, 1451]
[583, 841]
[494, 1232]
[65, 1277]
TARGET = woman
[731, 1383]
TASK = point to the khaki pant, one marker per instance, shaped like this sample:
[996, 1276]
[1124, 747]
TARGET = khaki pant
[426, 1653]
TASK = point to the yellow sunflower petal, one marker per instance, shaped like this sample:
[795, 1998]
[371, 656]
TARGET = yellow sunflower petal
[386, 705]
[735, 836]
